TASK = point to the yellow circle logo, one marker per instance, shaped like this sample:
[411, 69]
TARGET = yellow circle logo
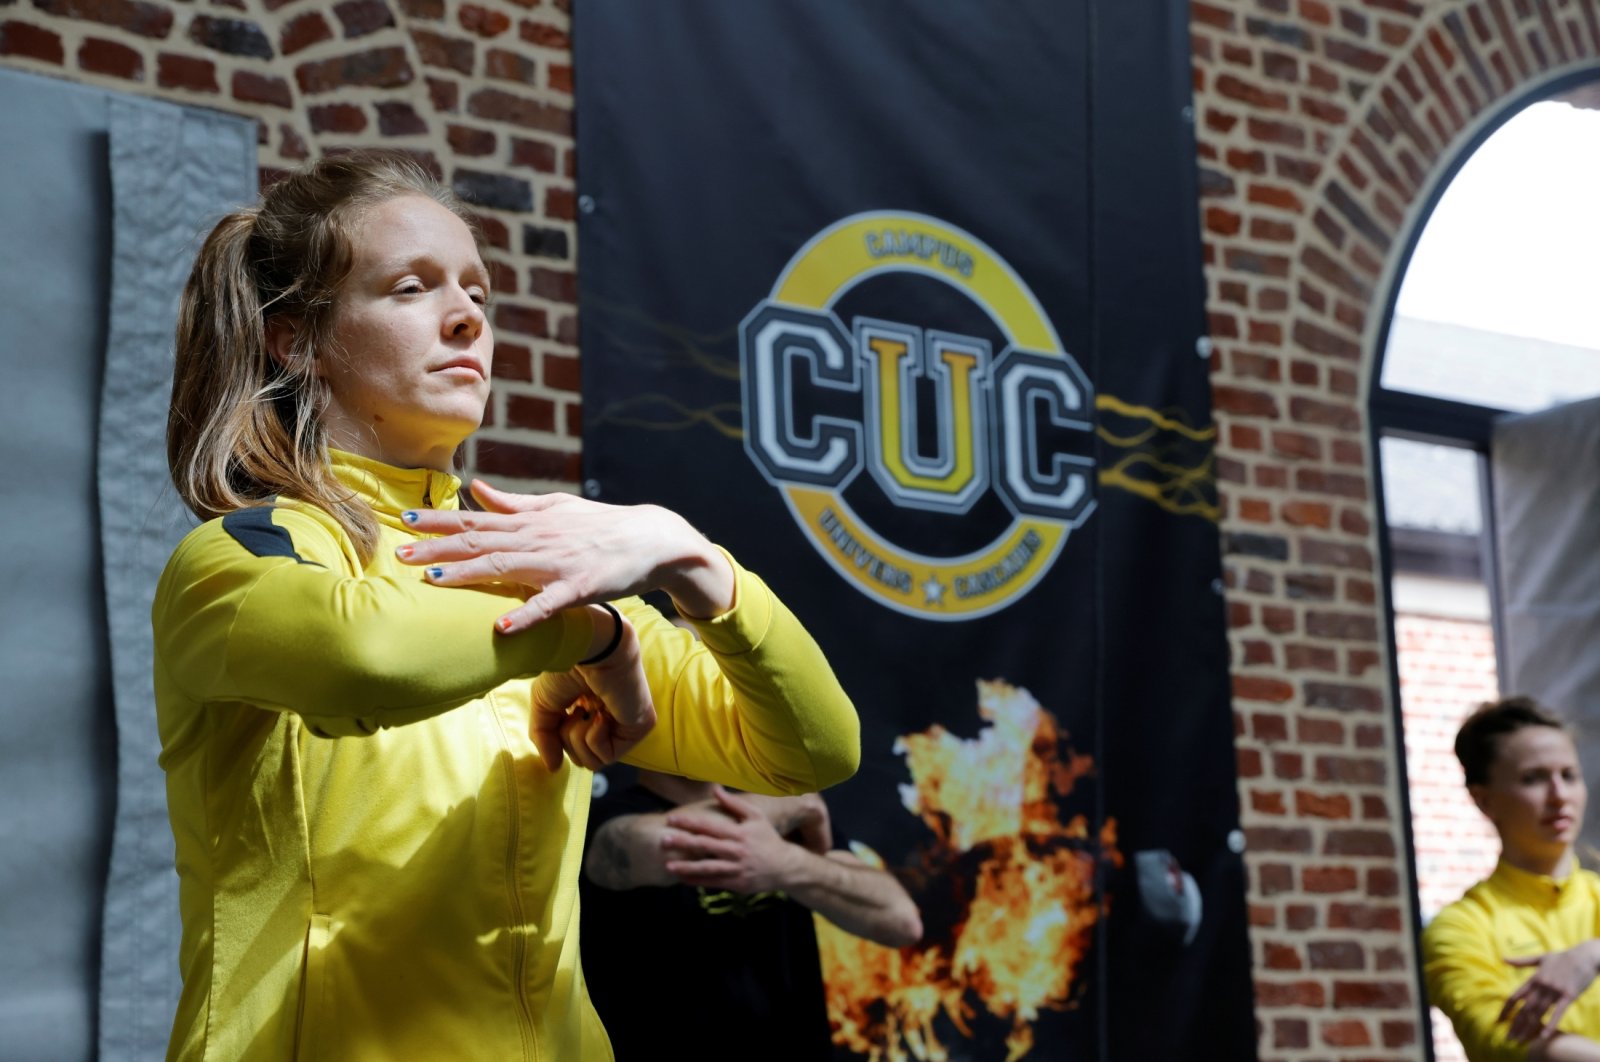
[926, 424]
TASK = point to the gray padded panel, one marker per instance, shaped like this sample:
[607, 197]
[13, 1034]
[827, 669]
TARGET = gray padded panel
[1547, 524]
[104, 199]
[174, 172]
[56, 761]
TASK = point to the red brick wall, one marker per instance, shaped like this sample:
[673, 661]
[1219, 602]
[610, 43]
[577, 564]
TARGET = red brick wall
[1447, 667]
[480, 91]
[1322, 130]
[1321, 125]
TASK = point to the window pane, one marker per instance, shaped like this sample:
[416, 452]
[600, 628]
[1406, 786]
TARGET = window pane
[1467, 364]
[1446, 659]
[1431, 488]
[1497, 304]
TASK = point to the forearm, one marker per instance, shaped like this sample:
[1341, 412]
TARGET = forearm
[625, 853]
[755, 706]
[1472, 987]
[357, 652]
[1565, 1047]
[859, 899]
[383, 651]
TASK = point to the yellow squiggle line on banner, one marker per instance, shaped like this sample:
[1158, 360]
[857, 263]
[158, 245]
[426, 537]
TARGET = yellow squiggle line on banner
[1183, 492]
[1172, 421]
[691, 346]
[683, 418]
[1152, 492]
[1167, 450]
[1129, 441]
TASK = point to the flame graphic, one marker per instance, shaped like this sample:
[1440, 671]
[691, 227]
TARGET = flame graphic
[1018, 920]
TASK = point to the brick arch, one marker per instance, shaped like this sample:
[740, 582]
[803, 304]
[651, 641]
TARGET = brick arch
[1466, 69]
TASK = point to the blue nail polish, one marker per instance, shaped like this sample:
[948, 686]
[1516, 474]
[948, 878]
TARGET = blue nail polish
[435, 573]
[409, 516]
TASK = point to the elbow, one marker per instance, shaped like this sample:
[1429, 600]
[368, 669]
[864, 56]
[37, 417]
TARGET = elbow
[900, 927]
[838, 760]
[815, 752]
[366, 690]
[840, 767]
[833, 759]
[906, 928]
[600, 877]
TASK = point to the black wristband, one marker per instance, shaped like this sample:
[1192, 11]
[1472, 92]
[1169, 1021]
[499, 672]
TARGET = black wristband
[616, 638]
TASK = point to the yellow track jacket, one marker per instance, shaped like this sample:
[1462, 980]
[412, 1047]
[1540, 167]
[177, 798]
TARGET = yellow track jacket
[373, 862]
[1511, 914]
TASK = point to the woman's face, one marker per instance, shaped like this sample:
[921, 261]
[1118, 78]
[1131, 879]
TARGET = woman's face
[1535, 795]
[408, 368]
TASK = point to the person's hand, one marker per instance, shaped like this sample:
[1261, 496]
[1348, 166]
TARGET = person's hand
[733, 847]
[815, 828]
[571, 551]
[805, 816]
[1561, 976]
[596, 712]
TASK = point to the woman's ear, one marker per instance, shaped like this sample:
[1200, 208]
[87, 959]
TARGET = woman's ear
[1480, 797]
[281, 332]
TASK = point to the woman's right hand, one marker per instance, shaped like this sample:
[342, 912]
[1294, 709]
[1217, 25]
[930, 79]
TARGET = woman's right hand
[596, 712]
[573, 551]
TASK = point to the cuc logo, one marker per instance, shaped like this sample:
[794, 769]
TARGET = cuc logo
[996, 450]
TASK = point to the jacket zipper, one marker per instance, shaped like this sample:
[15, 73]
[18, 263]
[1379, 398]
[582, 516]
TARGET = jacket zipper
[519, 940]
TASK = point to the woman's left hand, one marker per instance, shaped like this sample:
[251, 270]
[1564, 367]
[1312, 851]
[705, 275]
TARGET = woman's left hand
[1560, 978]
[596, 712]
[572, 551]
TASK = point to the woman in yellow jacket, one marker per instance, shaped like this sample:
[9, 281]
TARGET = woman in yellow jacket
[1511, 962]
[370, 732]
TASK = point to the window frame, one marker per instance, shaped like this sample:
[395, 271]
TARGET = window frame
[1444, 422]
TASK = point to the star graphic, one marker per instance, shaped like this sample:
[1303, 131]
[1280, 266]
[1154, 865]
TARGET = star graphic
[933, 591]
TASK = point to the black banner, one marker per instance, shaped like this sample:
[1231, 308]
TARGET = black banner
[902, 303]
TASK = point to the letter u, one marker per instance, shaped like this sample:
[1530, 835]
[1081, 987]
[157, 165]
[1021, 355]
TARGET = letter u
[897, 357]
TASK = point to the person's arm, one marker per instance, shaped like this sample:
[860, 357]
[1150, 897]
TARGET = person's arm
[626, 851]
[803, 819]
[1472, 985]
[753, 705]
[1558, 979]
[739, 850]
[1564, 1047]
[258, 611]
[859, 899]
